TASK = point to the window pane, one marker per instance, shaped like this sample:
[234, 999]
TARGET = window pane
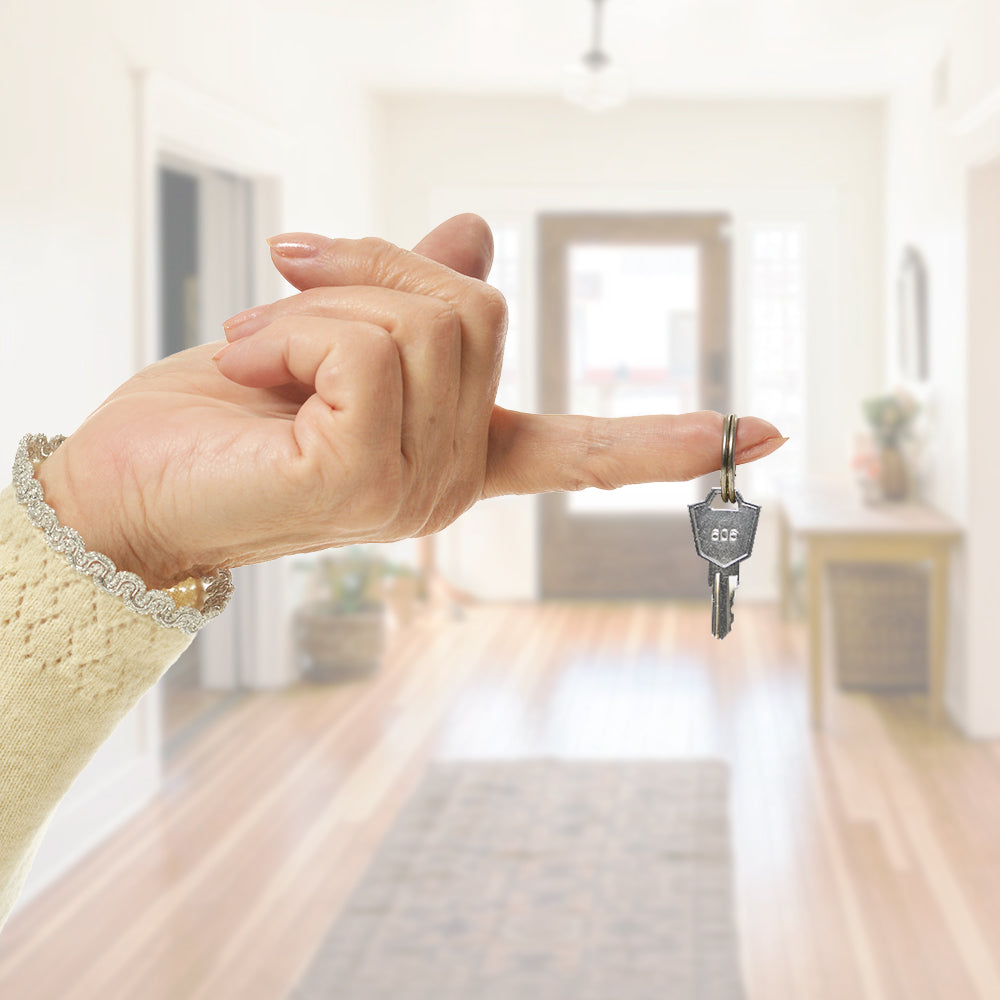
[633, 350]
[776, 348]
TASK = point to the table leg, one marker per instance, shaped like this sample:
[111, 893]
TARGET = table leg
[937, 635]
[816, 564]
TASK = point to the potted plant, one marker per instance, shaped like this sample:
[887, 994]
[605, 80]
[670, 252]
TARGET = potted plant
[341, 633]
[891, 418]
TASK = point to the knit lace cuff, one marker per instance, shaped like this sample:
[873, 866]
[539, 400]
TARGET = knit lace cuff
[160, 605]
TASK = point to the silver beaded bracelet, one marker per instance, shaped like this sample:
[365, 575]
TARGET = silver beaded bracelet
[160, 605]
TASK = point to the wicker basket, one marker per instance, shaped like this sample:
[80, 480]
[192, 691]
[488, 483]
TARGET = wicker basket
[335, 645]
[880, 626]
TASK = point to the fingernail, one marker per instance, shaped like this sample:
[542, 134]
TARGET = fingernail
[293, 245]
[766, 447]
[239, 319]
[222, 350]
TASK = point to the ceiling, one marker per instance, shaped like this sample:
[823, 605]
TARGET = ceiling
[780, 48]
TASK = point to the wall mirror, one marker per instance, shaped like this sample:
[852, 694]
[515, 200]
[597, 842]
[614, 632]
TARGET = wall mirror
[914, 347]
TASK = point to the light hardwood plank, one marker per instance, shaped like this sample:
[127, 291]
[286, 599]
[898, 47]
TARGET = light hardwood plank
[866, 861]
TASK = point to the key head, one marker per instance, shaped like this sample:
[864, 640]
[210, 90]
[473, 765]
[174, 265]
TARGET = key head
[724, 536]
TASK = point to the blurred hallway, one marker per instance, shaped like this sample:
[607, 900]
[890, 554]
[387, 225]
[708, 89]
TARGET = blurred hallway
[865, 855]
[848, 152]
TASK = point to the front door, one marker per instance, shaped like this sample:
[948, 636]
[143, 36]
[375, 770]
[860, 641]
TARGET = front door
[634, 319]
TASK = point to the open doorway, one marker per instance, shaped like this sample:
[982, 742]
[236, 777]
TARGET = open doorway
[204, 224]
[634, 318]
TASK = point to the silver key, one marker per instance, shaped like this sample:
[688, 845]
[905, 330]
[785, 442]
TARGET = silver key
[724, 536]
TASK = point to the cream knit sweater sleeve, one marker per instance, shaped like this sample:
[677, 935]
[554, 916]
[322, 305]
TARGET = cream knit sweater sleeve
[73, 662]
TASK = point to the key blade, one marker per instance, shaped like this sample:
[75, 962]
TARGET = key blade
[722, 605]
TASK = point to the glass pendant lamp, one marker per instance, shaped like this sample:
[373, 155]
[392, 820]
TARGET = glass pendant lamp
[594, 82]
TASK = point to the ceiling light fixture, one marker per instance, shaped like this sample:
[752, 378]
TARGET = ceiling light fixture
[593, 82]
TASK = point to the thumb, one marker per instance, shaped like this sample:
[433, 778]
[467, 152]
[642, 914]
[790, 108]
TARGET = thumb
[464, 243]
[542, 453]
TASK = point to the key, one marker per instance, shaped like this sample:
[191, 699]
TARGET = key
[724, 537]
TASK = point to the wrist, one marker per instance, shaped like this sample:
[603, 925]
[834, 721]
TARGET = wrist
[98, 533]
[187, 608]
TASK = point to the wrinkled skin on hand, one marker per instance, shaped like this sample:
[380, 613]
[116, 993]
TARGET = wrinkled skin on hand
[360, 409]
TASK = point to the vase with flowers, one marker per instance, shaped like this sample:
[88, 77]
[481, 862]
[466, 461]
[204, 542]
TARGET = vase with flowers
[891, 418]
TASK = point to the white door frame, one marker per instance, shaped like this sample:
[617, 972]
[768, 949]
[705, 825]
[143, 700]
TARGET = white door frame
[464, 556]
[174, 122]
[126, 771]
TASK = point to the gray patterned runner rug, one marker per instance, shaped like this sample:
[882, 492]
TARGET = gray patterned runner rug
[544, 880]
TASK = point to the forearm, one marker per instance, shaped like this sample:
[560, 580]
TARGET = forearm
[73, 662]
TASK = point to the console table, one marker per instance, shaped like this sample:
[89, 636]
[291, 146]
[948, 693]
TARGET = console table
[836, 526]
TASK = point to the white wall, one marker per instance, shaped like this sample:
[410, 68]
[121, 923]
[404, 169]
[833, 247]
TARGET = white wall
[67, 178]
[68, 218]
[821, 162]
[933, 141]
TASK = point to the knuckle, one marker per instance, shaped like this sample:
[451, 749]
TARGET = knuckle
[492, 306]
[294, 339]
[339, 248]
[372, 245]
[377, 255]
[443, 323]
[369, 253]
[591, 460]
[380, 349]
[297, 338]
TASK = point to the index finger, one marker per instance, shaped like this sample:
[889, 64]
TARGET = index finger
[542, 453]
[307, 260]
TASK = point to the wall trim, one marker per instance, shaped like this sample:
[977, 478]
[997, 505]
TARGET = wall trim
[175, 122]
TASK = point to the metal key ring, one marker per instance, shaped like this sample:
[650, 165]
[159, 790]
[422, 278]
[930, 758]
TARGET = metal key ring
[729, 458]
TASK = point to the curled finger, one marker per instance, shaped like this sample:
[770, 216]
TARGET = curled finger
[354, 369]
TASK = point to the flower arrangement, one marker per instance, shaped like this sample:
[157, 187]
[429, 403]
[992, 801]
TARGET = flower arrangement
[352, 579]
[891, 417]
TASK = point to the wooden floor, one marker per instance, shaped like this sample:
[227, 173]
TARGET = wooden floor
[186, 706]
[867, 857]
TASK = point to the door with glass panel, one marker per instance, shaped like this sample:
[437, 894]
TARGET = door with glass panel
[634, 319]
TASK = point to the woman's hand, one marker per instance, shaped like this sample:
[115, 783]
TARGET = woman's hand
[359, 410]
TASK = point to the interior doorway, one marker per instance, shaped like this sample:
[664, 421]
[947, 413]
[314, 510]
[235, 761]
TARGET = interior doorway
[634, 318]
[204, 274]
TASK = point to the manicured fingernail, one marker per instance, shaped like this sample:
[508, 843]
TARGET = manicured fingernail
[293, 245]
[222, 350]
[766, 447]
[240, 318]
